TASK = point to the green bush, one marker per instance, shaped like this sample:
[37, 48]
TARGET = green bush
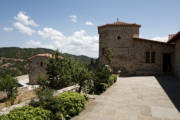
[28, 113]
[9, 85]
[82, 76]
[65, 105]
[102, 74]
[112, 79]
[72, 103]
[100, 88]
[52, 105]
[59, 71]
[101, 79]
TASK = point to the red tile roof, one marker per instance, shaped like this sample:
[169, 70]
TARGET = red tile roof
[118, 23]
[41, 55]
[175, 37]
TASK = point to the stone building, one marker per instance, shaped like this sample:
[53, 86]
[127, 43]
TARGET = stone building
[176, 63]
[133, 55]
[37, 66]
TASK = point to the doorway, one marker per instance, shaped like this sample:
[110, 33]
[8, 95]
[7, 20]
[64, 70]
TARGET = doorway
[167, 62]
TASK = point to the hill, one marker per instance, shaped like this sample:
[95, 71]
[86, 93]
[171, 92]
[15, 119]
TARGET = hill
[14, 60]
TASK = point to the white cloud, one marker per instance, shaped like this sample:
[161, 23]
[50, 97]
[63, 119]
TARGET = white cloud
[8, 29]
[89, 23]
[73, 18]
[161, 39]
[23, 29]
[79, 43]
[24, 19]
[50, 33]
[37, 44]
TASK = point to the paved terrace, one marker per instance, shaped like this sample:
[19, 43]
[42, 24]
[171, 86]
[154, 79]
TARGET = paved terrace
[136, 98]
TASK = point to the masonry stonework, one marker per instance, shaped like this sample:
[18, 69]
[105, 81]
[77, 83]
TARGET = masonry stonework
[37, 67]
[129, 50]
[177, 59]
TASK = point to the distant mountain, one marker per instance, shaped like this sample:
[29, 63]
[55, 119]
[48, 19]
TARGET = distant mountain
[14, 60]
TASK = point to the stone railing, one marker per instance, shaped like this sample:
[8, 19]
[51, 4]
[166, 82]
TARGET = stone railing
[6, 110]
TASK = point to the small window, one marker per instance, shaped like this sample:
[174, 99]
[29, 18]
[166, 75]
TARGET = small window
[147, 57]
[153, 57]
[41, 64]
[118, 37]
[150, 57]
[103, 51]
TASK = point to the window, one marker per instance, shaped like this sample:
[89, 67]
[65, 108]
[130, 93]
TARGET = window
[147, 57]
[150, 57]
[41, 64]
[118, 37]
[153, 57]
[103, 51]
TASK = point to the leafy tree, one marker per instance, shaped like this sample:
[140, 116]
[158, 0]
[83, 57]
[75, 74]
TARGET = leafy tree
[59, 71]
[108, 55]
[43, 81]
[9, 85]
[81, 75]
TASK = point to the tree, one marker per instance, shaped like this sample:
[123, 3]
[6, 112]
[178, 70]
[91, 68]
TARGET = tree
[81, 75]
[43, 81]
[59, 71]
[9, 85]
[108, 55]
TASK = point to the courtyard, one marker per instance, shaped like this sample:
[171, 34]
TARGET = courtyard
[136, 98]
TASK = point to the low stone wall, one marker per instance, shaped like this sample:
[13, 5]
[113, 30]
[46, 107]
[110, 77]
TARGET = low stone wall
[6, 110]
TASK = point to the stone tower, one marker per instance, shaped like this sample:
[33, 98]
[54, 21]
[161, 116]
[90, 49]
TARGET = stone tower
[118, 37]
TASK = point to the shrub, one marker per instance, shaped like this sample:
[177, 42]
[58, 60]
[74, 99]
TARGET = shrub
[101, 79]
[72, 103]
[44, 94]
[9, 85]
[82, 76]
[28, 113]
[100, 88]
[46, 100]
[59, 71]
[43, 81]
[112, 79]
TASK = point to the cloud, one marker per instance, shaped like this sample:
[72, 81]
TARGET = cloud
[79, 43]
[89, 23]
[8, 29]
[73, 18]
[23, 29]
[37, 44]
[161, 39]
[25, 20]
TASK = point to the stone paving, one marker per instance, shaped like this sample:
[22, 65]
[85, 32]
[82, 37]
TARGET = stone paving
[132, 98]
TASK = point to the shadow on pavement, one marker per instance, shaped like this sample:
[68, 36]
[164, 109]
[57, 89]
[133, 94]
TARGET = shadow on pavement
[171, 86]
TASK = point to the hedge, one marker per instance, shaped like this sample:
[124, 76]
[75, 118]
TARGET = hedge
[28, 113]
[72, 103]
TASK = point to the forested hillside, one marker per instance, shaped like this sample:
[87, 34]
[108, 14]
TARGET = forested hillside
[14, 60]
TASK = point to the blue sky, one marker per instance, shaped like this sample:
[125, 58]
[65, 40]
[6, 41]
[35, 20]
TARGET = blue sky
[71, 25]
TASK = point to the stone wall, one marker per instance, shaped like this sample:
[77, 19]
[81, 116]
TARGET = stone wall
[37, 67]
[177, 59]
[6, 110]
[141, 47]
[119, 40]
[129, 53]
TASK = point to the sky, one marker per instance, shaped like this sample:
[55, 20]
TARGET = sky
[71, 25]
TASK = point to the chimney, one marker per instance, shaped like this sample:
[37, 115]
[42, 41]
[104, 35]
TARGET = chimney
[170, 36]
